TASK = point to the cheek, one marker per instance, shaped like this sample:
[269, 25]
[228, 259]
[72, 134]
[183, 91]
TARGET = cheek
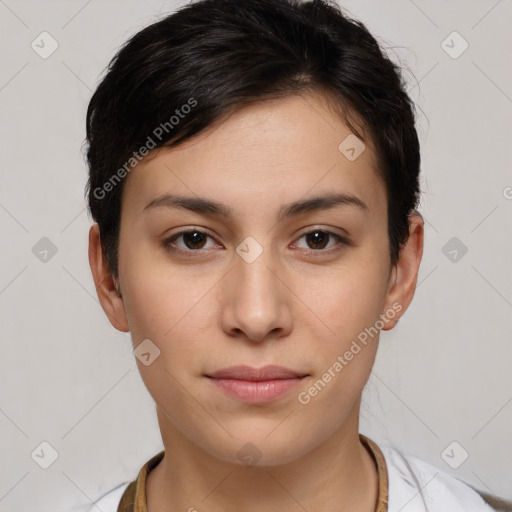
[159, 297]
[166, 310]
[346, 354]
[171, 308]
[348, 301]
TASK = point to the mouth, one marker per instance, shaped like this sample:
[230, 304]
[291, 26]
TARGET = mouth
[256, 385]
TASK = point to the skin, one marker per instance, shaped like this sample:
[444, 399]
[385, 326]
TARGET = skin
[210, 309]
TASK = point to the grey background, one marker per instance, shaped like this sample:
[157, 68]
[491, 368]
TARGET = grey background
[69, 379]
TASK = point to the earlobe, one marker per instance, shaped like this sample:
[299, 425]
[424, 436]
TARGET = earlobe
[404, 275]
[107, 287]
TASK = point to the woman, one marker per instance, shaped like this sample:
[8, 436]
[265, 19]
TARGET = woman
[254, 174]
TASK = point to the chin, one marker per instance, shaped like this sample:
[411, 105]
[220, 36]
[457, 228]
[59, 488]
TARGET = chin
[259, 447]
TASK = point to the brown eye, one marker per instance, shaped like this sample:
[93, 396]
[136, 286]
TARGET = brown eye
[192, 241]
[317, 239]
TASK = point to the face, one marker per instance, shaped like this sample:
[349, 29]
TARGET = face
[263, 276]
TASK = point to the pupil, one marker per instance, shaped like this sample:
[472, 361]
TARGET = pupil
[194, 236]
[318, 238]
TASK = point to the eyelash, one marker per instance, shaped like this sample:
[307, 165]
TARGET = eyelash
[171, 247]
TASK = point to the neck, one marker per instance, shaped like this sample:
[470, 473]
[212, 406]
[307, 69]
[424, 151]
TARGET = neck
[340, 474]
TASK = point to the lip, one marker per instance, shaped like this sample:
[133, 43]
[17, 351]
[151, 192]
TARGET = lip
[256, 385]
[269, 372]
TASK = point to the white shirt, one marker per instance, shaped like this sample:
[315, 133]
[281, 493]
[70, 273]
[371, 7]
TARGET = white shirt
[414, 486]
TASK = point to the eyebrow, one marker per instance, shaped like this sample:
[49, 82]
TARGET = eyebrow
[208, 207]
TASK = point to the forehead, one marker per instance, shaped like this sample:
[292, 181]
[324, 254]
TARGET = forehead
[271, 151]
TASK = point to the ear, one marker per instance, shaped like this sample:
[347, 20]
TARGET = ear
[106, 286]
[404, 275]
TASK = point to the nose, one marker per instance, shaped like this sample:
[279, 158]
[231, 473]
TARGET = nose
[256, 300]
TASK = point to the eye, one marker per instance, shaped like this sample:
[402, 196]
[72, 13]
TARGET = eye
[318, 240]
[193, 240]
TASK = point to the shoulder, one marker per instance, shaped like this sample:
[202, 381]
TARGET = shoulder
[110, 501]
[127, 491]
[414, 486]
[417, 486]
